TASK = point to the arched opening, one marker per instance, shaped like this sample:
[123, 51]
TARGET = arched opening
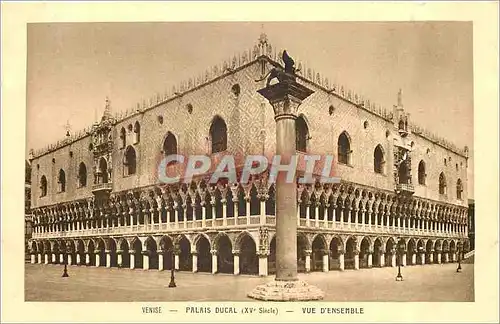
[437, 250]
[301, 134]
[254, 202]
[429, 247]
[403, 173]
[271, 202]
[225, 260]
[91, 252]
[152, 253]
[460, 189]
[390, 249]
[453, 250]
[185, 259]
[204, 263]
[137, 132]
[301, 253]
[364, 252]
[112, 252]
[102, 173]
[80, 250]
[82, 175]
[378, 160]
[421, 173]
[249, 262]
[123, 249]
[445, 251]
[271, 259]
[377, 252]
[123, 138]
[410, 251]
[170, 145]
[166, 246]
[442, 184]
[61, 180]
[43, 186]
[318, 250]
[350, 247]
[137, 247]
[344, 149]
[218, 135]
[101, 250]
[335, 246]
[129, 162]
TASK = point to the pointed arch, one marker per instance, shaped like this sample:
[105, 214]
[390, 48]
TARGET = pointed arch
[137, 132]
[301, 134]
[102, 172]
[379, 160]
[129, 161]
[460, 189]
[82, 175]
[442, 184]
[43, 186]
[169, 144]
[344, 148]
[421, 173]
[61, 180]
[218, 135]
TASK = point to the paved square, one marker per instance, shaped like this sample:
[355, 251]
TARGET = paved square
[421, 283]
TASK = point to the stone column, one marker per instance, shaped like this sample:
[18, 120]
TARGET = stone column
[78, 259]
[119, 258]
[176, 261]
[214, 261]
[414, 258]
[382, 260]
[87, 258]
[422, 258]
[108, 258]
[131, 254]
[431, 257]
[445, 257]
[403, 261]
[341, 261]
[356, 259]
[454, 256]
[33, 258]
[70, 259]
[263, 267]
[439, 257]
[370, 259]
[308, 260]
[285, 98]
[393, 259]
[39, 258]
[61, 258]
[326, 259]
[247, 209]
[97, 258]
[160, 260]
[194, 256]
[236, 264]
[53, 258]
[145, 260]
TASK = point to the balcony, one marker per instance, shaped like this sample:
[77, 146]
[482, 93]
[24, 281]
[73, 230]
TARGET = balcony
[102, 188]
[405, 188]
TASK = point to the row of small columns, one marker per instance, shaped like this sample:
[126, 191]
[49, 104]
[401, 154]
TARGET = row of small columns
[263, 267]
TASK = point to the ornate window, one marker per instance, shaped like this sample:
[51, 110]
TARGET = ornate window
[170, 144]
[43, 186]
[102, 172]
[442, 184]
[421, 173]
[61, 180]
[301, 134]
[344, 149]
[82, 175]
[403, 173]
[378, 160]
[129, 162]
[459, 189]
[218, 135]
[123, 138]
[137, 132]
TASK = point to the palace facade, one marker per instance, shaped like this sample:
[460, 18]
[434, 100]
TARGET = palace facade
[96, 197]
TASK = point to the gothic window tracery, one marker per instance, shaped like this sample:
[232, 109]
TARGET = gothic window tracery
[137, 132]
[442, 184]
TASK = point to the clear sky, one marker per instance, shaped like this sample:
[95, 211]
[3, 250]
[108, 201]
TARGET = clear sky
[73, 67]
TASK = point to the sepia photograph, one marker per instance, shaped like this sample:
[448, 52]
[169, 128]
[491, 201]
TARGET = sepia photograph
[213, 168]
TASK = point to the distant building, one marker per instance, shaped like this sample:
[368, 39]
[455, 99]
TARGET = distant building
[472, 235]
[98, 198]
[28, 218]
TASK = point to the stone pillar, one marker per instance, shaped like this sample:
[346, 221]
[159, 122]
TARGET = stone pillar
[87, 258]
[97, 258]
[194, 257]
[61, 258]
[439, 257]
[214, 261]
[160, 260]
[132, 259]
[53, 258]
[382, 260]
[108, 258]
[204, 214]
[145, 260]
[119, 258]
[414, 258]
[70, 259]
[78, 259]
[445, 257]
[341, 261]
[247, 201]
[262, 219]
[285, 98]
[236, 264]
[431, 257]
[176, 261]
[370, 259]
[393, 259]
[422, 258]
[39, 258]
[356, 260]
[326, 259]
[263, 268]
[454, 256]
[403, 261]
[308, 260]
[33, 258]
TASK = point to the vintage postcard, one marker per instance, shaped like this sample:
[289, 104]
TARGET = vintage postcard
[185, 167]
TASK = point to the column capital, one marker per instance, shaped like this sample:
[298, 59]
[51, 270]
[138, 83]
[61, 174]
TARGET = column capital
[308, 252]
[214, 252]
[236, 252]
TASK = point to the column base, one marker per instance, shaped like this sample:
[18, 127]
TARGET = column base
[279, 290]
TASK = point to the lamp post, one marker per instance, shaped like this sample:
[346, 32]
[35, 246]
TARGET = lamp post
[459, 268]
[172, 270]
[401, 247]
[65, 272]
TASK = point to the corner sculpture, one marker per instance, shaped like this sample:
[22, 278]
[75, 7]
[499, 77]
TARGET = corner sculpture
[288, 74]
